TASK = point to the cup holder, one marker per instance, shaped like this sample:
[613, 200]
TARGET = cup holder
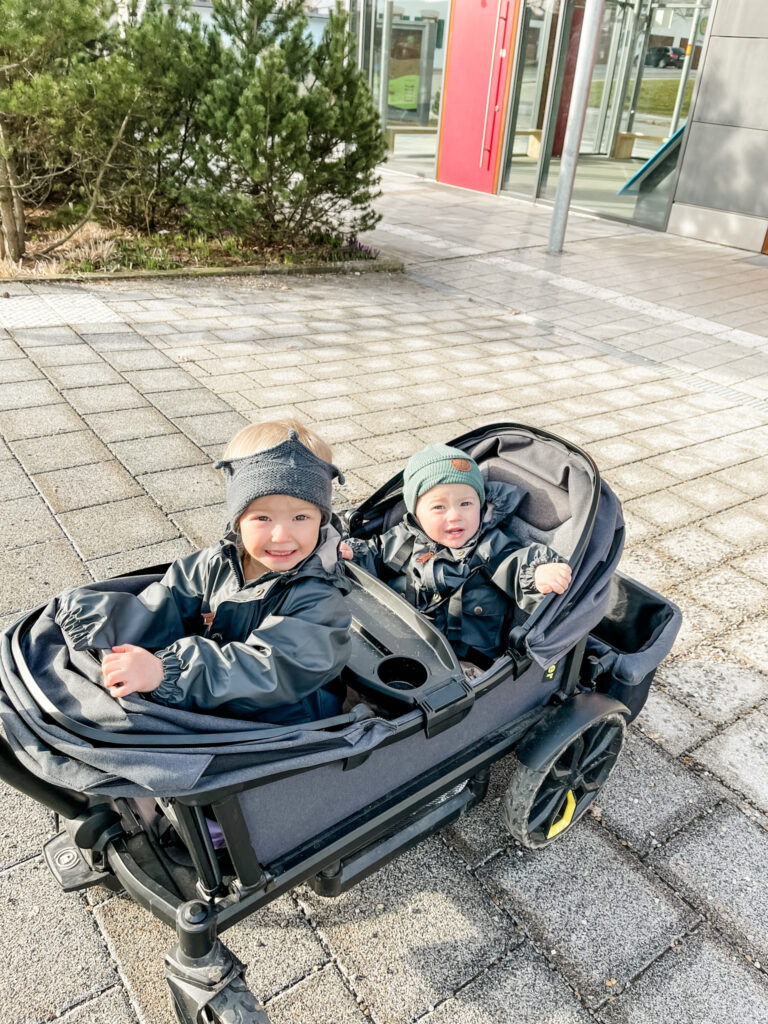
[402, 673]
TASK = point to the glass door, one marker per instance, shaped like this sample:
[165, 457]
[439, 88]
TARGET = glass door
[534, 85]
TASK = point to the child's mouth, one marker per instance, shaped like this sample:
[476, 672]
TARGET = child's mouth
[280, 554]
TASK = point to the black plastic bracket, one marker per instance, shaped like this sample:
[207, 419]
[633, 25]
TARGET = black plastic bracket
[446, 705]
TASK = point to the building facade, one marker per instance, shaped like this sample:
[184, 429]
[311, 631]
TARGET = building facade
[476, 93]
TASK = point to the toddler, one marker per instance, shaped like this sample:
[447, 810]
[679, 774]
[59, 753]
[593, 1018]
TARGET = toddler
[455, 555]
[255, 625]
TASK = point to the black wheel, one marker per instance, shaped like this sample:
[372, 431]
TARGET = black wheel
[539, 806]
[662, 63]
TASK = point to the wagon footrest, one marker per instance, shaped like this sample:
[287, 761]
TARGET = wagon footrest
[69, 867]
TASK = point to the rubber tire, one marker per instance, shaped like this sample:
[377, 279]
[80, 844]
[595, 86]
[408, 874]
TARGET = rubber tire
[662, 63]
[525, 784]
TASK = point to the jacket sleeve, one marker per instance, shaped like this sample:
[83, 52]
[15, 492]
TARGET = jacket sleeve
[153, 618]
[367, 553]
[515, 575]
[288, 656]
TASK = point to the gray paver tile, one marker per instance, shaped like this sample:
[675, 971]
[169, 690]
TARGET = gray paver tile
[79, 375]
[694, 547]
[37, 572]
[149, 454]
[718, 863]
[739, 756]
[139, 558]
[731, 594]
[665, 510]
[163, 379]
[276, 944]
[80, 487]
[749, 643]
[76, 448]
[36, 337]
[649, 796]
[108, 396]
[193, 402]
[16, 483]
[204, 526]
[599, 932]
[24, 826]
[176, 490]
[41, 421]
[110, 1008]
[13, 370]
[116, 342]
[48, 927]
[671, 724]
[65, 355]
[413, 931]
[214, 428]
[700, 980]
[117, 526]
[27, 394]
[137, 359]
[146, 422]
[26, 521]
[521, 987]
[716, 691]
[322, 998]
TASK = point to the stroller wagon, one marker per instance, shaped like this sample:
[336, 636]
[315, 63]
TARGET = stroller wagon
[187, 811]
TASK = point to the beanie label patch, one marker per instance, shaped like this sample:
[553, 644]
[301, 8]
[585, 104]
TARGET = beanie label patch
[463, 465]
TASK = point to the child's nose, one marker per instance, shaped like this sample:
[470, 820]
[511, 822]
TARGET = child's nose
[279, 531]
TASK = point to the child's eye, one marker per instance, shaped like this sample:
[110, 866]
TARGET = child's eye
[301, 517]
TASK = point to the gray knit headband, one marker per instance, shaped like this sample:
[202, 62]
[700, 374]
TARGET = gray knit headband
[288, 468]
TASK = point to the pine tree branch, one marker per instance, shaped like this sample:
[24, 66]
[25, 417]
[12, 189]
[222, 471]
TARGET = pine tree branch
[96, 187]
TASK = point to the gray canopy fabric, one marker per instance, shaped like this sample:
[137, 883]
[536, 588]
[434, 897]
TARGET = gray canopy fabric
[43, 680]
[69, 681]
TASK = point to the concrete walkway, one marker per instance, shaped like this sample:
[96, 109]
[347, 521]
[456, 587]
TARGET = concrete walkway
[649, 350]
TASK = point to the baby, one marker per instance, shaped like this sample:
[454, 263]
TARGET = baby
[255, 625]
[455, 555]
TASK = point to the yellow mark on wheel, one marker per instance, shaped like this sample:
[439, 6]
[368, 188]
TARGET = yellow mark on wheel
[567, 818]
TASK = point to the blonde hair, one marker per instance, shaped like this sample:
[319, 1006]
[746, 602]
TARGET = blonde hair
[259, 436]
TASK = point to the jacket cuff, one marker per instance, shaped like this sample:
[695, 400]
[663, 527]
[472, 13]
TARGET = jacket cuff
[527, 574]
[78, 633]
[168, 692]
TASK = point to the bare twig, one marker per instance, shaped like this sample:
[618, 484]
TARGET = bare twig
[96, 187]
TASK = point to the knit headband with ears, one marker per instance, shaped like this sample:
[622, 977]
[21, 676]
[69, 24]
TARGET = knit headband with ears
[287, 468]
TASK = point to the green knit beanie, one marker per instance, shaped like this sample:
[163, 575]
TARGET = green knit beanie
[439, 464]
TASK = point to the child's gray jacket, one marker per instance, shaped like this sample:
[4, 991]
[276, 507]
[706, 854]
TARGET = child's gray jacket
[248, 646]
[468, 592]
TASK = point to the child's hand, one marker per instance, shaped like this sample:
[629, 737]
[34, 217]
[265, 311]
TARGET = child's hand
[346, 551]
[131, 669]
[554, 577]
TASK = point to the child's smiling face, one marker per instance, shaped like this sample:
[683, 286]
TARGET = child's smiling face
[279, 531]
[449, 514]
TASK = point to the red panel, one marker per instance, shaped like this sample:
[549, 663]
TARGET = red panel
[476, 84]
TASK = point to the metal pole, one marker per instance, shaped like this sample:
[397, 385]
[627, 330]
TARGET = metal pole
[585, 62]
[386, 46]
[686, 68]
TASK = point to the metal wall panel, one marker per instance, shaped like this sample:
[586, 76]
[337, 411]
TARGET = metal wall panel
[734, 86]
[725, 169]
[741, 18]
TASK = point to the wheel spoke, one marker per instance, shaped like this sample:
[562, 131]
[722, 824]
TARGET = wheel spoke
[600, 743]
[547, 813]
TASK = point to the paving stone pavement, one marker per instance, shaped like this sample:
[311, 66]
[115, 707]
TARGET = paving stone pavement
[652, 352]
